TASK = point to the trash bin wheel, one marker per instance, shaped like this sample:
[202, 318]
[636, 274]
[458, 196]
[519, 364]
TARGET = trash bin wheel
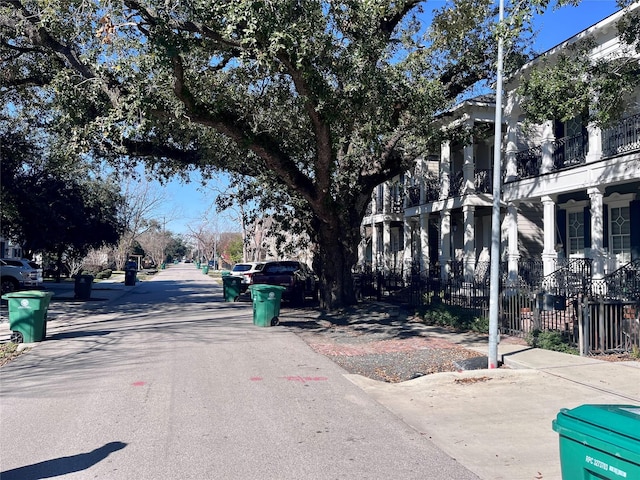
[236, 299]
[275, 321]
[16, 337]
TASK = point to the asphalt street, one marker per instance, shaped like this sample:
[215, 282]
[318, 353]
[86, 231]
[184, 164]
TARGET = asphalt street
[170, 382]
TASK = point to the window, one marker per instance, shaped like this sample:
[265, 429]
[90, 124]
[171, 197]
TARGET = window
[619, 233]
[575, 232]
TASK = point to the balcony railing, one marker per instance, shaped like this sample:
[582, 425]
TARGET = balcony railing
[624, 283]
[622, 138]
[570, 279]
[529, 162]
[570, 151]
[484, 181]
[431, 189]
[456, 184]
[413, 196]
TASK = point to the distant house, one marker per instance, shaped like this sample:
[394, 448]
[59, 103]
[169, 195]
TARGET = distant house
[9, 249]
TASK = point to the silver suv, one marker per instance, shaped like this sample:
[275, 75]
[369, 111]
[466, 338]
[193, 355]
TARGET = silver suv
[17, 273]
[246, 271]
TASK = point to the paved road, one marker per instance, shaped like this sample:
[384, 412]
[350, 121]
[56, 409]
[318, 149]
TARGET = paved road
[169, 382]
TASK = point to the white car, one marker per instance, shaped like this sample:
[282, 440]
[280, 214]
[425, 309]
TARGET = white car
[246, 271]
[18, 273]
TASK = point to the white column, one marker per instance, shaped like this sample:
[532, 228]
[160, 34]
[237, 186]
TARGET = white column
[511, 114]
[362, 247]
[549, 253]
[409, 254]
[468, 171]
[386, 198]
[469, 236]
[597, 232]
[386, 244]
[445, 243]
[374, 247]
[424, 243]
[445, 169]
[595, 143]
[423, 172]
[547, 147]
[513, 252]
[511, 162]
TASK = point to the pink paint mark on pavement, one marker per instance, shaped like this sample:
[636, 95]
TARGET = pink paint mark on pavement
[255, 379]
[139, 384]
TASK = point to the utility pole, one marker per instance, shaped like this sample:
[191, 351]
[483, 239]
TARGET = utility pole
[494, 289]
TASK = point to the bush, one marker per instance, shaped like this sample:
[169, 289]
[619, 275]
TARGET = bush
[550, 340]
[103, 274]
[454, 317]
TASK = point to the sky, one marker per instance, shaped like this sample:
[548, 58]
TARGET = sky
[188, 206]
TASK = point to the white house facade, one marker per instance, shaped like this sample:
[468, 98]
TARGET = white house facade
[569, 191]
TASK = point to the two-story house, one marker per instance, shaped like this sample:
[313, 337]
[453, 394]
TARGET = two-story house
[570, 190]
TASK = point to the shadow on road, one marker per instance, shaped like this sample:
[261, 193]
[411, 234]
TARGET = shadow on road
[63, 465]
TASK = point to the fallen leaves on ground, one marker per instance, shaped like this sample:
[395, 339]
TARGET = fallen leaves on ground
[467, 380]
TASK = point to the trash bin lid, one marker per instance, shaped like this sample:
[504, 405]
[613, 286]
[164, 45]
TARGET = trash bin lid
[27, 294]
[263, 287]
[620, 419]
[611, 428]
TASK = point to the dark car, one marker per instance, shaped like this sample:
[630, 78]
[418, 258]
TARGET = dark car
[297, 278]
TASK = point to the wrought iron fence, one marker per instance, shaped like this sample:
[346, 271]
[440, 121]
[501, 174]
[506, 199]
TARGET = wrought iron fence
[595, 324]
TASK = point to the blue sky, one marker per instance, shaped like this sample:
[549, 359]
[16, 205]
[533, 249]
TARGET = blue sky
[190, 205]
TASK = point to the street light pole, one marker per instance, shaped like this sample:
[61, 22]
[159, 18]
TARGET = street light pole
[494, 290]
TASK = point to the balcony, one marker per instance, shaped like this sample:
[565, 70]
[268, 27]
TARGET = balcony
[482, 180]
[622, 138]
[570, 151]
[528, 162]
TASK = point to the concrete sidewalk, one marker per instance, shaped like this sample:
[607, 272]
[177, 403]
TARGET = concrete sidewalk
[497, 423]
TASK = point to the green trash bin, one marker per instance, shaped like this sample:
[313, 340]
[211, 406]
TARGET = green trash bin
[28, 315]
[205, 269]
[163, 266]
[231, 288]
[266, 304]
[82, 287]
[198, 265]
[599, 442]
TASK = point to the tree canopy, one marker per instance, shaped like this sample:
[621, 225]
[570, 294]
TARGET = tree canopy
[51, 206]
[318, 100]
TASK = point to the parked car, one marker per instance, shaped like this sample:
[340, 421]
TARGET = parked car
[18, 273]
[51, 271]
[246, 271]
[297, 278]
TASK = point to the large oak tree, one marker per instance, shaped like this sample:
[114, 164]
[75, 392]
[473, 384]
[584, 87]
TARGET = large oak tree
[318, 100]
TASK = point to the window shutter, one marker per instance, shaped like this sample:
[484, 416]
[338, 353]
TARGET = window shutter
[634, 212]
[561, 233]
[587, 227]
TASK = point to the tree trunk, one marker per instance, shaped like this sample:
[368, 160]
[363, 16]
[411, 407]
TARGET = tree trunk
[337, 254]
